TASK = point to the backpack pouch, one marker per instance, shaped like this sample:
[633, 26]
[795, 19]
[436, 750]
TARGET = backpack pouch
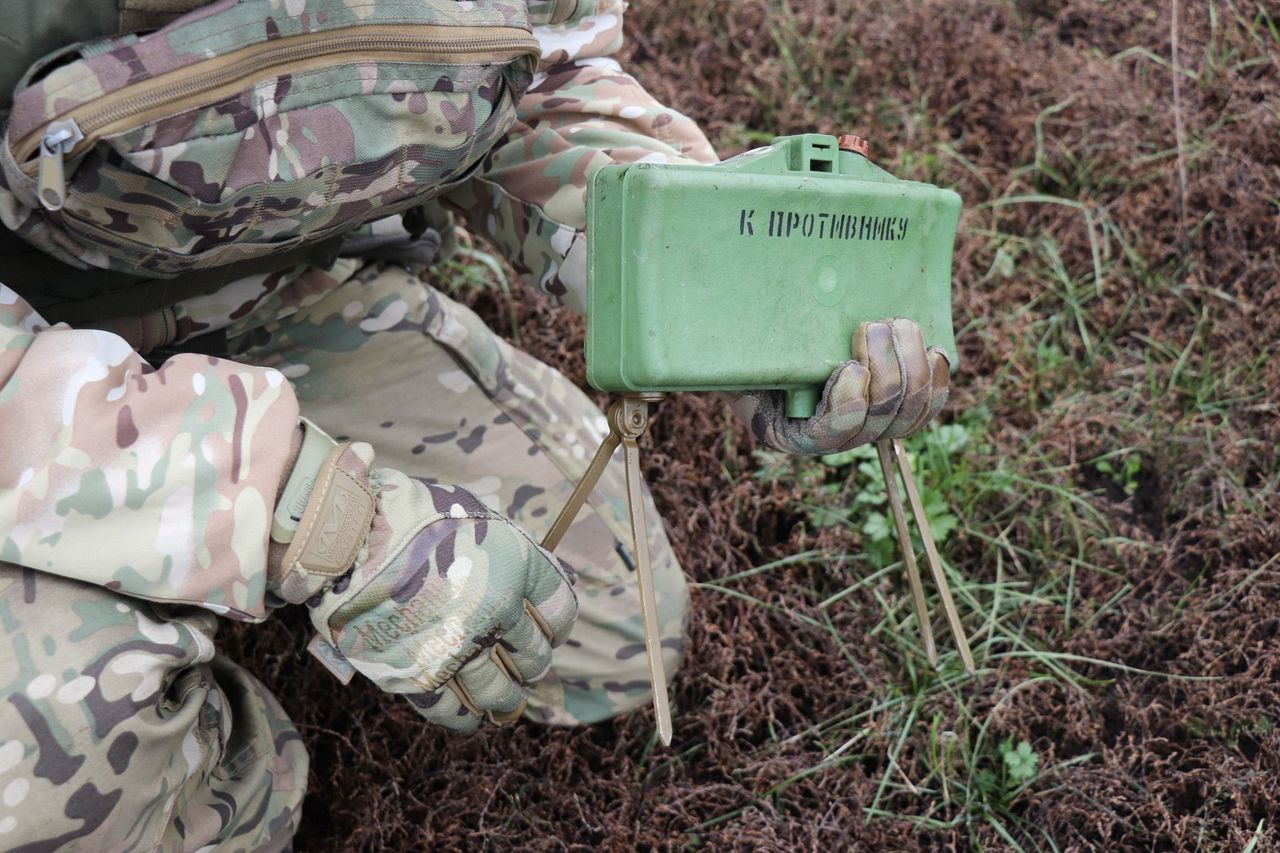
[254, 127]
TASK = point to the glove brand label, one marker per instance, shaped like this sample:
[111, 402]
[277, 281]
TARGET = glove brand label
[383, 632]
[338, 527]
[332, 660]
[822, 226]
[341, 524]
[386, 631]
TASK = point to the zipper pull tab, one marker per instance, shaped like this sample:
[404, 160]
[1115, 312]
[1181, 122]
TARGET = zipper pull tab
[51, 180]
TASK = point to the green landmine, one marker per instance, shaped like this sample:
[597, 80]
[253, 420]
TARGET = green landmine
[754, 273]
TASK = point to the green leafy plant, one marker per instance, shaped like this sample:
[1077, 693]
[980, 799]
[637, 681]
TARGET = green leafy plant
[848, 488]
[1015, 767]
[1020, 762]
[1124, 472]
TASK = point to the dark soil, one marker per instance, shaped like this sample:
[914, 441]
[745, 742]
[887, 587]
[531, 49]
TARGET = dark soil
[1162, 764]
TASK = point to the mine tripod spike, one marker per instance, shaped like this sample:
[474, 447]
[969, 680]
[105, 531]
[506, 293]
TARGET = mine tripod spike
[628, 419]
[892, 449]
[885, 452]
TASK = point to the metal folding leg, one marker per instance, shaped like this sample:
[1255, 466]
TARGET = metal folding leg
[891, 449]
[628, 419]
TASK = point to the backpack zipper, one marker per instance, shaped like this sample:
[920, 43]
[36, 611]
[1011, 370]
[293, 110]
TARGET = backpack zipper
[207, 81]
[51, 183]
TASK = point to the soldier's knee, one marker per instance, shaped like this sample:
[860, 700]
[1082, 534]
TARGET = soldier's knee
[98, 703]
[122, 730]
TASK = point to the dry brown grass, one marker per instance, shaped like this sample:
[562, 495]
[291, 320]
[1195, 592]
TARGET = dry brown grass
[1100, 318]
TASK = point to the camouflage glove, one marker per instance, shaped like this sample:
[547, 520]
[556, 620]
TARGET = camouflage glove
[419, 587]
[891, 388]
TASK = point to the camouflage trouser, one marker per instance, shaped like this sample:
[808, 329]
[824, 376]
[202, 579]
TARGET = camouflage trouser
[123, 728]
[385, 359]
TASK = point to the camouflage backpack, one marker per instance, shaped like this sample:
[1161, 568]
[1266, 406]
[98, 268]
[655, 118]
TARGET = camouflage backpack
[244, 130]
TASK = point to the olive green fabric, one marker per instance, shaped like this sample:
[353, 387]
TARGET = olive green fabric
[64, 294]
[36, 28]
[33, 28]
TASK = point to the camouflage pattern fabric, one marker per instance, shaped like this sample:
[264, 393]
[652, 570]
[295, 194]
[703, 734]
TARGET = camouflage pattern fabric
[156, 483]
[457, 617]
[455, 404]
[581, 112]
[134, 483]
[312, 147]
[418, 586]
[114, 442]
[891, 388]
[161, 762]
[122, 729]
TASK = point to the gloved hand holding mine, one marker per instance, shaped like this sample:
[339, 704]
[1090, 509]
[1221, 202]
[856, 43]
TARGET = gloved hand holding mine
[423, 589]
[891, 388]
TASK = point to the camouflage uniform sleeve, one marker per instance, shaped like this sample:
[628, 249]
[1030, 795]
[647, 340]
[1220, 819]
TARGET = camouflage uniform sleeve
[154, 483]
[580, 112]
